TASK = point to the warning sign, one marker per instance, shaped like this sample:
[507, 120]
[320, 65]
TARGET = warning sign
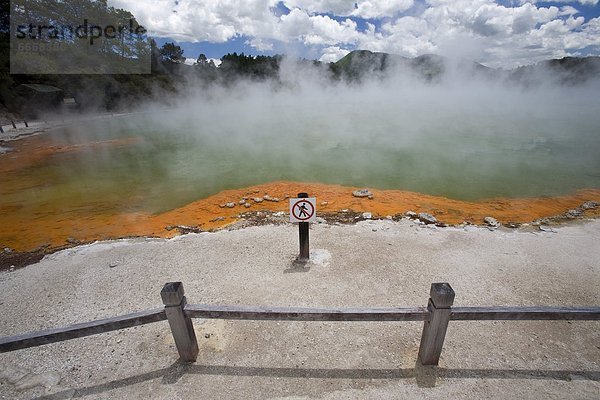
[303, 210]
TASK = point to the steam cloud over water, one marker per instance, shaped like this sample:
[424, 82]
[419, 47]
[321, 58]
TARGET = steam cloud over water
[464, 136]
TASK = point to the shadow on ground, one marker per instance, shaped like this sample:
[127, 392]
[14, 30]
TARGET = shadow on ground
[425, 376]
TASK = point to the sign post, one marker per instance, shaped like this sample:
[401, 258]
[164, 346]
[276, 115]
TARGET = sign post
[303, 210]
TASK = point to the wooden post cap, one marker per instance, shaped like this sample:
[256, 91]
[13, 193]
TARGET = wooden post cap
[172, 293]
[442, 295]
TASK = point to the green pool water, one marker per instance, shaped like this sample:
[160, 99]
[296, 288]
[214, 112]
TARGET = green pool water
[469, 152]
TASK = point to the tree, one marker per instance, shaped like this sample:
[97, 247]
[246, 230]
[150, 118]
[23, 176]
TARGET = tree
[5, 17]
[259, 67]
[202, 60]
[173, 53]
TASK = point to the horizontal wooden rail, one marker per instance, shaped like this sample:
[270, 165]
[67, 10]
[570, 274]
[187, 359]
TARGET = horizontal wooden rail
[34, 339]
[524, 313]
[436, 316]
[306, 314]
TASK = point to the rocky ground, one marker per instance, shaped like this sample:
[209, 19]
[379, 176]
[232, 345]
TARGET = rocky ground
[372, 263]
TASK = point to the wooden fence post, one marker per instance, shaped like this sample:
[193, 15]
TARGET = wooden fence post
[434, 330]
[181, 325]
[304, 235]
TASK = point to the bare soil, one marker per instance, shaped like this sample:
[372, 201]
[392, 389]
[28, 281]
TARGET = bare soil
[372, 263]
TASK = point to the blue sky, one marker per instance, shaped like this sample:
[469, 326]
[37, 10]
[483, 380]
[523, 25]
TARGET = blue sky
[497, 33]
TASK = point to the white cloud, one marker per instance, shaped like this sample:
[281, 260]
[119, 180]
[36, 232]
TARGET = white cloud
[483, 29]
[406, 36]
[333, 54]
[199, 20]
[192, 61]
[357, 8]
[316, 29]
[584, 2]
[260, 44]
[568, 10]
[381, 8]
[336, 7]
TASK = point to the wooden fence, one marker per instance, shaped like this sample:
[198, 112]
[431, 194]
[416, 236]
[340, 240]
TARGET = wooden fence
[436, 316]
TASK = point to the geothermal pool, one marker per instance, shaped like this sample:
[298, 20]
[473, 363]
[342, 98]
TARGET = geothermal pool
[470, 148]
[160, 167]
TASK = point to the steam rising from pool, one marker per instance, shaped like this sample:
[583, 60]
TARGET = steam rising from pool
[464, 137]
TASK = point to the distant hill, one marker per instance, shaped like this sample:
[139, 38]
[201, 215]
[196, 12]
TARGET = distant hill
[567, 70]
[361, 64]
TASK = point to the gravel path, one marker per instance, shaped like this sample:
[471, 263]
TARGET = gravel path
[373, 263]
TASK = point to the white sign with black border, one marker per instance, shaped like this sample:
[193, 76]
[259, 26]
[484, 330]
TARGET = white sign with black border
[303, 210]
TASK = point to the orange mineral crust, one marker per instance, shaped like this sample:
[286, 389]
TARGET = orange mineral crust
[34, 150]
[26, 231]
